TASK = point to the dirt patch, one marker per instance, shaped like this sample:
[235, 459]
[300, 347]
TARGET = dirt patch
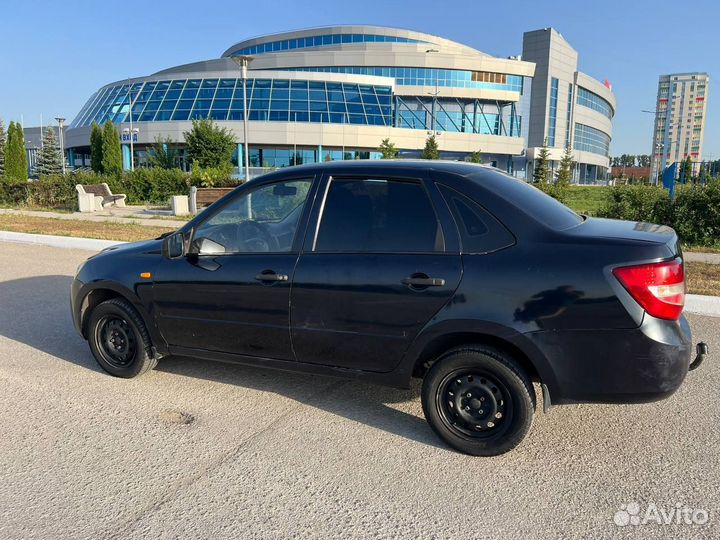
[182, 418]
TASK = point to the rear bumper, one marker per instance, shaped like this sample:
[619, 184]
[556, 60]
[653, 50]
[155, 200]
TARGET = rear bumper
[637, 365]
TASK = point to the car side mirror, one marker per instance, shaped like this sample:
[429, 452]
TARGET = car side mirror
[174, 246]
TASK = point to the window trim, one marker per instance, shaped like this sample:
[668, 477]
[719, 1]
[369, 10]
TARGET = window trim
[328, 180]
[232, 197]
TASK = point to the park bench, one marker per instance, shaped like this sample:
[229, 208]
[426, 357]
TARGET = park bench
[94, 197]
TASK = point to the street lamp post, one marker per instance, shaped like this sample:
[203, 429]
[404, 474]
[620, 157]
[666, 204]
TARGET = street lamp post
[434, 95]
[131, 132]
[61, 123]
[244, 62]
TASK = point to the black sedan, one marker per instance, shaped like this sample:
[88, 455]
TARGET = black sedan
[458, 274]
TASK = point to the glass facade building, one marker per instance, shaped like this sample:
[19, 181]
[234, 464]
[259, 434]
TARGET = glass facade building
[335, 93]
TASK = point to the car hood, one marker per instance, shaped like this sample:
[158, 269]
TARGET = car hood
[145, 246]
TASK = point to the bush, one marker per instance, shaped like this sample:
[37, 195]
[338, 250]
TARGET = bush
[142, 186]
[694, 213]
[638, 203]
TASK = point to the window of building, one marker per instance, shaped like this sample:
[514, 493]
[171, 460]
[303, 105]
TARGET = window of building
[589, 99]
[378, 216]
[552, 120]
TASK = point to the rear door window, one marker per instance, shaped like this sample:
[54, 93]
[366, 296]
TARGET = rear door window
[480, 231]
[378, 216]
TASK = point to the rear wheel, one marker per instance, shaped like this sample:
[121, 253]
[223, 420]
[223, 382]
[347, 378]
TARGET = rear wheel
[478, 400]
[119, 340]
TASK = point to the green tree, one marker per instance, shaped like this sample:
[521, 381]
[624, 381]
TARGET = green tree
[475, 157]
[431, 148]
[49, 160]
[112, 162]
[686, 170]
[563, 176]
[541, 169]
[209, 145]
[3, 143]
[164, 154]
[96, 148]
[388, 149]
[16, 165]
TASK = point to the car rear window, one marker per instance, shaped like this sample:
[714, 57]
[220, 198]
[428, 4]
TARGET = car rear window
[530, 199]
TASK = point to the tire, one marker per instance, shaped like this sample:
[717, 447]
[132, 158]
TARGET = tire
[478, 400]
[119, 339]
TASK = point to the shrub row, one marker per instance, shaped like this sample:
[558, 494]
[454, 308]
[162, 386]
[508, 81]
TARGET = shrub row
[694, 212]
[142, 186]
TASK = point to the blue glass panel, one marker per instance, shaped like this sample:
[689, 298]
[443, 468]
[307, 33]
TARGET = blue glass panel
[235, 115]
[168, 105]
[203, 103]
[298, 105]
[199, 114]
[185, 104]
[163, 116]
[318, 106]
[181, 115]
[218, 114]
[278, 116]
[258, 104]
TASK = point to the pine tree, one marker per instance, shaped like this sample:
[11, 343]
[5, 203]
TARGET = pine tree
[49, 160]
[475, 157]
[96, 148]
[541, 170]
[164, 154]
[388, 149]
[112, 152]
[16, 166]
[564, 173]
[3, 143]
[431, 149]
[686, 170]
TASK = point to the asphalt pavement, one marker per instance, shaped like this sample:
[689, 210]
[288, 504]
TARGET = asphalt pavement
[197, 449]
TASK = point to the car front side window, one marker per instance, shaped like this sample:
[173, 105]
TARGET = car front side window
[264, 220]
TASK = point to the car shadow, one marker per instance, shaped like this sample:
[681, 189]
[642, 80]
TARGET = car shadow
[36, 312]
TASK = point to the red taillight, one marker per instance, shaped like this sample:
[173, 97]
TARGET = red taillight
[658, 287]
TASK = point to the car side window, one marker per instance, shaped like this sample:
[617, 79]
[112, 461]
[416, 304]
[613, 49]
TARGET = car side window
[378, 216]
[480, 231]
[262, 220]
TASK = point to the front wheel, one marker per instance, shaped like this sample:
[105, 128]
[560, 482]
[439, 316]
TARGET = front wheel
[119, 340]
[478, 400]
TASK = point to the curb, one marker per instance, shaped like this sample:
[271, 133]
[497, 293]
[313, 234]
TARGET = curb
[68, 242]
[702, 305]
[694, 303]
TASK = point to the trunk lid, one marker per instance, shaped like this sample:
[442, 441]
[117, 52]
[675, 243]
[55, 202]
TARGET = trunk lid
[628, 232]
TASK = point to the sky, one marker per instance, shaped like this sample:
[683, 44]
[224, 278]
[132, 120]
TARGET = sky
[54, 55]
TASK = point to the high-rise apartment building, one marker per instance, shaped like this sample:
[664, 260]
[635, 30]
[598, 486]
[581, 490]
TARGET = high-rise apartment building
[680, 113]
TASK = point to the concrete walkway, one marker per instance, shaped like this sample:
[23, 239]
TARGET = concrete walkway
[117, 215]
[696, 256]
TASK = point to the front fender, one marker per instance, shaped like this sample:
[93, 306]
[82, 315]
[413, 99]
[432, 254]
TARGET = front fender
[139, 297]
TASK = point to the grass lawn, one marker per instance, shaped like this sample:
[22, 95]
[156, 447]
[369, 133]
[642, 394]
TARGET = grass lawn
[127, 232]
[702, 278]
[586, 199]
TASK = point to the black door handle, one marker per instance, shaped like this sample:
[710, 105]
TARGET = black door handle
[269, 275]
[423, 282]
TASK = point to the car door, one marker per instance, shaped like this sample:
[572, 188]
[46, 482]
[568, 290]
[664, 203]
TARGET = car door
[232, 292]
[378, 263]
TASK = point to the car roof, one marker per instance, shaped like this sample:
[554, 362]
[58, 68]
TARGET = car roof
[456, 167]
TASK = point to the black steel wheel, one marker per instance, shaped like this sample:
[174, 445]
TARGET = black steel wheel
[474, 403]
[119, 339]
[116, 341]
[478, 400]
